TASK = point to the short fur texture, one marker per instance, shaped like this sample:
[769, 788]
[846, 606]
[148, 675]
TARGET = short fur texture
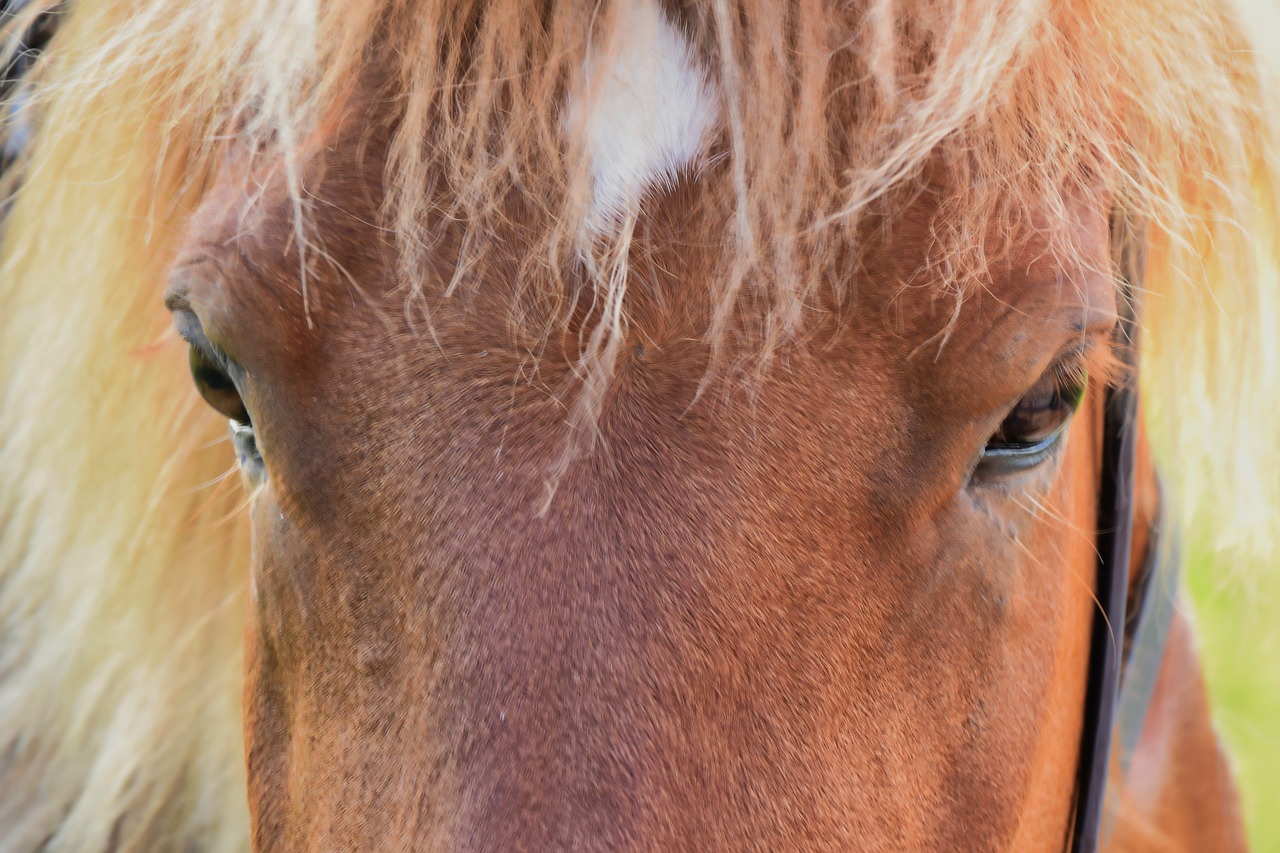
[118, 570]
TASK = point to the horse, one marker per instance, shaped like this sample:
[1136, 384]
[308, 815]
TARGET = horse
[658, 425]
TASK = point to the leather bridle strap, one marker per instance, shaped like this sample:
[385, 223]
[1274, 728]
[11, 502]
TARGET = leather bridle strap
[1114, 538]
[1153, 602]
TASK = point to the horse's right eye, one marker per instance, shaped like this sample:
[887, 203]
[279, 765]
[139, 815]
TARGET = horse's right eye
[217, 387]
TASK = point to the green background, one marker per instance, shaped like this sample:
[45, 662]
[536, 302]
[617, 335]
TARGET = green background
[1237, 613]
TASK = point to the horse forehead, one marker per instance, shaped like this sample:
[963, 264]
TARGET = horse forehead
[642, 112]
[1056, 257]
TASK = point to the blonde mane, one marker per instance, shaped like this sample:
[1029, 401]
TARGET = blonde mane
[123, 555]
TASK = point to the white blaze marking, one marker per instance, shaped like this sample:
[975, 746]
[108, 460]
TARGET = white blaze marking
[649, 112]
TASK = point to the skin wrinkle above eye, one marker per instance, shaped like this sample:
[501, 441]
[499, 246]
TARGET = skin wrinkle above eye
[199, 283]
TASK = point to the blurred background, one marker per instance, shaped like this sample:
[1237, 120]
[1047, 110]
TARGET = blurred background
[1236, 611]
[1237, 614]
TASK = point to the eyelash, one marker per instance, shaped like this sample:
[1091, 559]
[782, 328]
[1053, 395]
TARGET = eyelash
[1032, 431]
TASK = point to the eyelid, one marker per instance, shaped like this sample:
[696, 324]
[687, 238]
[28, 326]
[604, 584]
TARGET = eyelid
[176, 300]
[1076, 358]
[1072, 366]
[1002, 462]
[190, 330]
[1076, 355]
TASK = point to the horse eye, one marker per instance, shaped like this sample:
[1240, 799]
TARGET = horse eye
[217, 387]
[1033, 429]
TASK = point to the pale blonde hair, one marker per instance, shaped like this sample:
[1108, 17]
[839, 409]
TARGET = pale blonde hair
[122, 570]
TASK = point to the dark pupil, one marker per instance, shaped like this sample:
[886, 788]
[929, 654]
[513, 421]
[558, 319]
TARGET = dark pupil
[217, 388]
[1041, 412]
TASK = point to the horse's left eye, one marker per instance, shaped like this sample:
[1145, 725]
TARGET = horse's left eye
[217, 387]
[219, 380]
[1033, 429]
